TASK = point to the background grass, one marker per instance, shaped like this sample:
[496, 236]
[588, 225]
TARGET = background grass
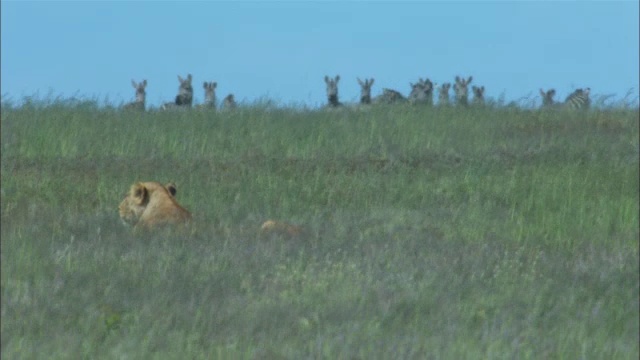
[449, 233]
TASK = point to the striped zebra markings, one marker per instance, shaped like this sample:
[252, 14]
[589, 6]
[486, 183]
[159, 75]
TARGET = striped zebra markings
[185, 94]
[577, 100]
[209, 95]
[461, 90]
[332, 90]
[365, 90]
[478, 95]
[421, 92]
[229, 102]
[141, 96]
[443, 94]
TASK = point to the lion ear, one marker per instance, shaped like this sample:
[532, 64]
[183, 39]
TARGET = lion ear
[140, 193]
[171, 187]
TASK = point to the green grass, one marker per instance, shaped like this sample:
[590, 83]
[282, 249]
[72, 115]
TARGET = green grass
[431, 233]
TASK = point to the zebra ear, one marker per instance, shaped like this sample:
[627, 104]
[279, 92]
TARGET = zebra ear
[542, 93]
[326, 79]
[205, 85]
[144, 83]
[371, 81]
[214, 84]
[133, 83]
[469, 80]
[337, 78]
[361, 83]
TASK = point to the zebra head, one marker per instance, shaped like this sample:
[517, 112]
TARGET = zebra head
[185, 91]
[421, 92]
[365, 90]
[461, 89]
[547, 97]
[332, 90]
[210, 94]
[141, 93]
[141, 96]
[478, 95]
[428, 88]
[229, 102]
[443, 93]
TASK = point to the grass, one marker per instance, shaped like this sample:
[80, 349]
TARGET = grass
[431, 233]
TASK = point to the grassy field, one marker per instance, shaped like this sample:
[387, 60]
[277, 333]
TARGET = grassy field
[439, 233]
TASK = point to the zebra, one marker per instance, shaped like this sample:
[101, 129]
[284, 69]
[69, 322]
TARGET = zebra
[478, 95]
[141, 96]
[332, 90]
[365, 90]
[547, 97]
[229, 102]
[461, 90]
[578, 100]
[443, 94]
[185, 94]
[209, 95]
[421, 92]
[389, 96]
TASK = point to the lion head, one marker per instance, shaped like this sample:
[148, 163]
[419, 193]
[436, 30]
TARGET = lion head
[150, 204]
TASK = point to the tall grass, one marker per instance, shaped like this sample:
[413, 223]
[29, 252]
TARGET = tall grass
[492, 232]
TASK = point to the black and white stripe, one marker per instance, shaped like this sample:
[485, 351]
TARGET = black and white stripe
[478, 95]
[141, 95]
[185, 94]
[332, 91]
[578, 100]
[421, 92]
[365, 90]
[443, 94]
[229, 102]
[461, 89]
[547, 97]
[389, 96]
[209, 95]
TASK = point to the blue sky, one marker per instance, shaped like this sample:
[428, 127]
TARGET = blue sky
[283, 50]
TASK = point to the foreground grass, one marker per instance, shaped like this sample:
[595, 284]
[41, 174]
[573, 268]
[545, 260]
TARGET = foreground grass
[439, 233]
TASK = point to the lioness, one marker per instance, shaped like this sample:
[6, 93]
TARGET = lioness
[150, 204]
[279, 227]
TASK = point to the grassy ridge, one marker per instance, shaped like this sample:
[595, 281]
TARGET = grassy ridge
[439, 232]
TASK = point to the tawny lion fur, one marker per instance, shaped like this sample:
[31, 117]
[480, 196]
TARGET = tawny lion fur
[279, 227]
[150, 204]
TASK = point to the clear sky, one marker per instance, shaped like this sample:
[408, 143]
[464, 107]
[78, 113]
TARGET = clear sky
[282, 50]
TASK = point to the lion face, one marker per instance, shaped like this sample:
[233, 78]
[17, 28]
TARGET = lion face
[150, 204]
